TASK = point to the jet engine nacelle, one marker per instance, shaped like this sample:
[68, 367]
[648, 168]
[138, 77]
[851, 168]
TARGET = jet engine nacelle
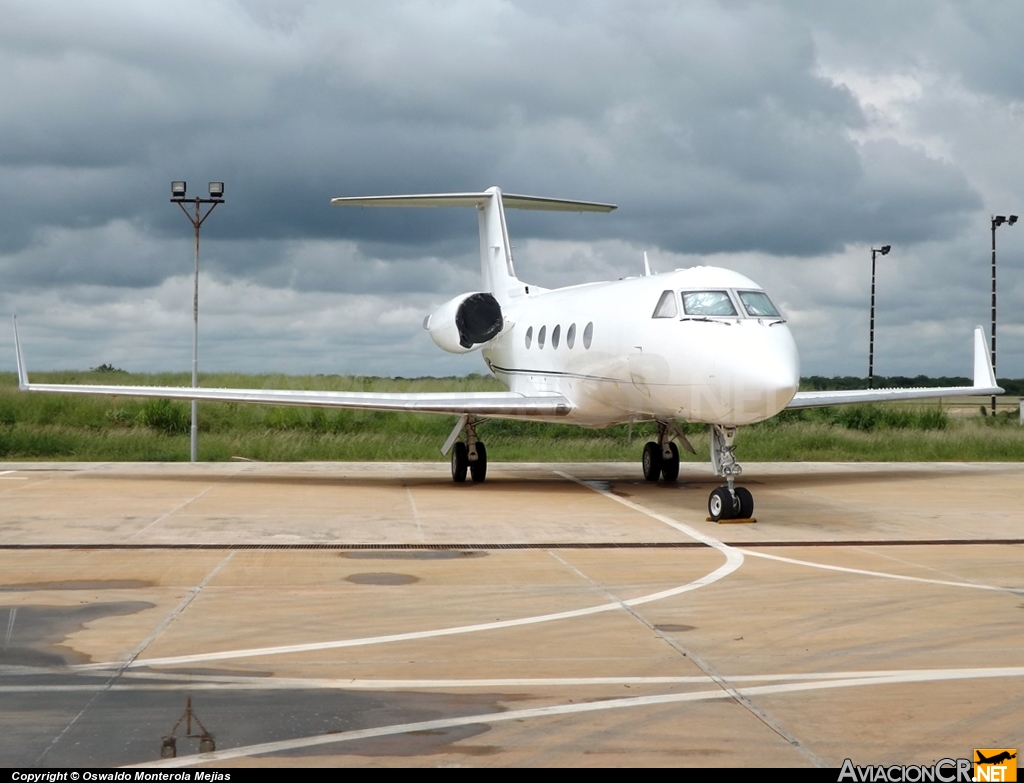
[465, 322]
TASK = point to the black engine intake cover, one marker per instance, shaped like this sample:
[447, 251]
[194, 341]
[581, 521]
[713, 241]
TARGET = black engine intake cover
[478, 319]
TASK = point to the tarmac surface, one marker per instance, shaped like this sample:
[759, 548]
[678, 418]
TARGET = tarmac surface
[556, 615]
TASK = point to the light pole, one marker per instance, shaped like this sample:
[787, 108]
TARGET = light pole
[178, 197]
[997, 221]
[884, 249]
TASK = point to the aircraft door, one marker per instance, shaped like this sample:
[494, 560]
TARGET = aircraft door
[638, 371]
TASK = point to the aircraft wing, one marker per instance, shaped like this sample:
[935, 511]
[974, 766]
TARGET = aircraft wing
[499, 404]
[984, 385]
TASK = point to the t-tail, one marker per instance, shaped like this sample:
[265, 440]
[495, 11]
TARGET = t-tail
[498, 274]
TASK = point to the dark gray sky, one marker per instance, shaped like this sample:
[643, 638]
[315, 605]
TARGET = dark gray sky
[781, 139]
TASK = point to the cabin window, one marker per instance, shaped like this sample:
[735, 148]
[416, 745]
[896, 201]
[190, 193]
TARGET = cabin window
[529, 337]
[541, 335]
[588, 335]
[758, 305]
[555, 334]
[570, 337]
[707, 303]
[666, 306]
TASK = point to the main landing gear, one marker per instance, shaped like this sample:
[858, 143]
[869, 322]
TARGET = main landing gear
[728, 502]
[661, 458]
[469, 456]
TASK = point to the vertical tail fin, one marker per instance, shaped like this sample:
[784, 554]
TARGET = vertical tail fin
[499, 275]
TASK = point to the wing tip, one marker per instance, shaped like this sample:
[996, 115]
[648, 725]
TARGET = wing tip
[23, 383]
[984, 372]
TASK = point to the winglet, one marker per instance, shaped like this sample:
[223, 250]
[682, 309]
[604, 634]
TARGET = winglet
[984, 375]
[647, 266]
[22, 373]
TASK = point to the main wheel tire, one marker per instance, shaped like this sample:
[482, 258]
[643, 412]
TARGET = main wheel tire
[652, 461]
[460, 462]
[746, 503]
[720, 505]
[670, 467]
[478, 469]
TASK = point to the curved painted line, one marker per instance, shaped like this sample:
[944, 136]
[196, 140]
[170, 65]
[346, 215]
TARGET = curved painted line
[733, 560]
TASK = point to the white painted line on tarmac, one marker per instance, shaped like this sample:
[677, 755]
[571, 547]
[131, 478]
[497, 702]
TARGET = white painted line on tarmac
[250, 682]
[143, 681]
[415, 512]
[733, 560]
[256, 652]
[692, 532]
[733, 556]
[174, 510]
[934, 675]
[882, 574]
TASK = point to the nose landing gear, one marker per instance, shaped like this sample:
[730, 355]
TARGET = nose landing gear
[730, 501]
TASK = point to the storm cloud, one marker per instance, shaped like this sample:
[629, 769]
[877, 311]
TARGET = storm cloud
[782, 139]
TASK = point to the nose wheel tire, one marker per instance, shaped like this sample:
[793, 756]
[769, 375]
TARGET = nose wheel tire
[478, 469]
[652, 461]
[746, 503]
[460, 462]
[722, 506]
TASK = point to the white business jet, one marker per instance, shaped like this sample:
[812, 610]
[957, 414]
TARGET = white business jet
[699, 345]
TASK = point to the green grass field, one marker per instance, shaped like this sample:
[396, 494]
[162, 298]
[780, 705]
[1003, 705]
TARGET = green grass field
[65, 427]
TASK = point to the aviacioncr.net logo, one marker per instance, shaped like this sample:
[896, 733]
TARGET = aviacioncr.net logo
[942, 771]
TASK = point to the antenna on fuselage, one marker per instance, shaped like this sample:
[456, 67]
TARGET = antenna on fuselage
[647, 266]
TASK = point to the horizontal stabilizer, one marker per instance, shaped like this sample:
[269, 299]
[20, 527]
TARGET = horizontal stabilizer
[497, 271]
[984, 385]
[510, 201]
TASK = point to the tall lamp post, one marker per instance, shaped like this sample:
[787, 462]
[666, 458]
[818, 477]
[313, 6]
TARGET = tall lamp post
[178, 197]
[997, 221]
[884, 249]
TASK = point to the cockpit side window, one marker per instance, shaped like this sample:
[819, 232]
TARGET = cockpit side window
[666, 306]
[758, 305]
[707, 303]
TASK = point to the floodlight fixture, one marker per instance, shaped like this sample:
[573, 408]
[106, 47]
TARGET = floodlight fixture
[884, 250]
[178, 189]
[217, 190]
[1012, 220]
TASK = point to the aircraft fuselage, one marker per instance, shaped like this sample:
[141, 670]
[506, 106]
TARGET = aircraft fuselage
[600, 346]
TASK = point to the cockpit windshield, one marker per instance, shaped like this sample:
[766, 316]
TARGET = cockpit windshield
[707, 303]
[758, 305]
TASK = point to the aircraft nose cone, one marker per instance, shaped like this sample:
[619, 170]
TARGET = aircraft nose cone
[764, 375]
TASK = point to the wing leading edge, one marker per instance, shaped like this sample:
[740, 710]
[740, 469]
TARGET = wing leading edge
[984, 385]
[498, 404]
